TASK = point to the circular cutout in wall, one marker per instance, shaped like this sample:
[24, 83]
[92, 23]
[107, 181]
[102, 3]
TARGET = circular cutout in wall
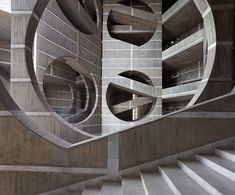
[67, 92]
[131, 96]
[132, 21]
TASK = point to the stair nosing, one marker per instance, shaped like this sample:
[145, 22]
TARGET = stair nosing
[169, 182]
[224, 154]
[218, 168]
[197, 178]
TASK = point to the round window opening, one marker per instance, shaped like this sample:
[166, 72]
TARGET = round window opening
[131, 97]
[132, 21]
[67, 92]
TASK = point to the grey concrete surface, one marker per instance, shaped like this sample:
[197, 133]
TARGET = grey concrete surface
[187, 177]
[38, 140]
[179, 182]
[155, 184]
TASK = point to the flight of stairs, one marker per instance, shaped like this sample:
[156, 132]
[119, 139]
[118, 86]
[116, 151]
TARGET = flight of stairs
[205, 174]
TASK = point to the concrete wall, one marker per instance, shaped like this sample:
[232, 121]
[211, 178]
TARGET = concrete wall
[120, 56]
[55, 37]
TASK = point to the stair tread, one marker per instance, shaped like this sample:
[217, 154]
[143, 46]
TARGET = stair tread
[91, 191]
[109, 188]
[229, 151]
[219, 182]
[221, 162]
[155, 184]
[184, 183]
[132, 186]
[225, 153]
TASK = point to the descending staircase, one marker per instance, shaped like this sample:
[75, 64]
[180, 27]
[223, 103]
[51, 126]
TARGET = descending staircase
[204, 174]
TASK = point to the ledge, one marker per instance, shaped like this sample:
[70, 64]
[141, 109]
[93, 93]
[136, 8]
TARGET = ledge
[184, 52]
[180, 92]
[182, 16]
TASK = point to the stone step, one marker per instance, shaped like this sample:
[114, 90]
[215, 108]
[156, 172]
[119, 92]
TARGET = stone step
[111, 188]
[91, 191]
[218, 164]
[132, 186]
[180, 182]
[227, 154]
[154, 184]
[207, 178]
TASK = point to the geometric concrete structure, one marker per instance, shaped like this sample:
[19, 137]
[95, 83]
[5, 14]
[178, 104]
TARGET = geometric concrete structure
[132, 33]
[51, 42]
[117, 97]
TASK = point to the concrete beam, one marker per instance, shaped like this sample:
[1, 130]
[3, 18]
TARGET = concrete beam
[131, 16]
[135, 103]
[135, 87]
[180, 92]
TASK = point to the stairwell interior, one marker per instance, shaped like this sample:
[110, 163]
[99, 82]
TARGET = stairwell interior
[117, 97]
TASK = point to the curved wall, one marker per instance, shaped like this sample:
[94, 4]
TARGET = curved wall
[218, 77]
[198, 62]
[55, 37]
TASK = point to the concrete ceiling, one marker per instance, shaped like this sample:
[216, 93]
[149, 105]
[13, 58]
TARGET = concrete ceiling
[5, 25]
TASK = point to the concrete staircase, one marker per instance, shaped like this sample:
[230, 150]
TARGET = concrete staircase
[204, 174]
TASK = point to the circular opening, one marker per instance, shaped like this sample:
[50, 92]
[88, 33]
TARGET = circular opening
[127, 24]
[67, 91]
[128, 102]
